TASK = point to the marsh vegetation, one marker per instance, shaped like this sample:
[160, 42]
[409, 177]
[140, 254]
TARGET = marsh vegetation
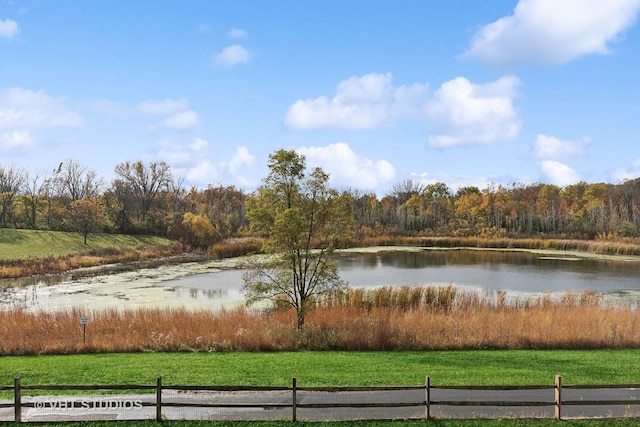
[418, 318]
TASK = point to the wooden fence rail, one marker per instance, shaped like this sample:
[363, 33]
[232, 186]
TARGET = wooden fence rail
[423, 397]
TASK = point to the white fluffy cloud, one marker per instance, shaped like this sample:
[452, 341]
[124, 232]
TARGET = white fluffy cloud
[550, 147]
[242, 157]
[23, 111]
[8, 28]
[364, 102]
[192, 161]
[466, 113]
[348, 169]
[20, 108]
[177, 114]
[232, 56]
[559, 173]
[16, 140]
[551, 32]
[460, 112]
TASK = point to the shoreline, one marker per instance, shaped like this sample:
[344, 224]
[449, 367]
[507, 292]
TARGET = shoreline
[142, 288]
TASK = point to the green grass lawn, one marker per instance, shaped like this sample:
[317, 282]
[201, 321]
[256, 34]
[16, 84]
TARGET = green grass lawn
[20, 244]
[504, 367]
[333, 369]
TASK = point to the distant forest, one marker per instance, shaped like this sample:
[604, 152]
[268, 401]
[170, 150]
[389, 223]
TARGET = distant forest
[148, 199]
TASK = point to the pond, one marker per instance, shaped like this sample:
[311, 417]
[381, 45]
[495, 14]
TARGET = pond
[491, 270]
[217, 284]
[482, 270]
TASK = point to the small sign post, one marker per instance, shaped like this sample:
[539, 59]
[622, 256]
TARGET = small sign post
[84, 321]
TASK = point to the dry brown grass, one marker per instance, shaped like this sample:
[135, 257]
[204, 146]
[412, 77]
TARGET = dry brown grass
[14, 268]
[427, 318]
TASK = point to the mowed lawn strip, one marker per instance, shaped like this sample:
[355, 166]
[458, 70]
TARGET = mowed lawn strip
[499, 367]
[21, 244]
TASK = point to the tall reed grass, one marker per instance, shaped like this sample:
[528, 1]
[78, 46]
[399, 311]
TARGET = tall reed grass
[427, 318]
[235, 248]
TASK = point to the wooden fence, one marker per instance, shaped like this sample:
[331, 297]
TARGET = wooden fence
[376, 401]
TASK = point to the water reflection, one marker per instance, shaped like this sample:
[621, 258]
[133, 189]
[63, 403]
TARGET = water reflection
[199, 294]
[490, 270]
[43, 279]
[486, 270]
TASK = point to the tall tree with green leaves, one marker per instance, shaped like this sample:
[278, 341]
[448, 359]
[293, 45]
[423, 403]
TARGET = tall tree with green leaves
[301, 220]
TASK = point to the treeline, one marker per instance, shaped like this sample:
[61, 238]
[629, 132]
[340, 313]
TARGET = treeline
[149, 199]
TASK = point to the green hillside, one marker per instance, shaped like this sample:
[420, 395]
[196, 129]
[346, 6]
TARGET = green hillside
[20, 244]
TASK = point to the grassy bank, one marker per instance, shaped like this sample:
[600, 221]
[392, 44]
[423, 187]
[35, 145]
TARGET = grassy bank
[427, 318]
[31, 252]
[29, 244]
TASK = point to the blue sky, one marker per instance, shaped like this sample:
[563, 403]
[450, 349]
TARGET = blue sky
[466, 92]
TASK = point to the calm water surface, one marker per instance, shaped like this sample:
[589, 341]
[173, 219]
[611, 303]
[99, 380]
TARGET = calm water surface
[488, 270]
[483, 271]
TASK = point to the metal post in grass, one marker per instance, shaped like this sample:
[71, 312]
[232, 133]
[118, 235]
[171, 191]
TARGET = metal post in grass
[294, 398]
[84, 321]
[159, 399]
[558, 398]
[17, 401]
[427, 409]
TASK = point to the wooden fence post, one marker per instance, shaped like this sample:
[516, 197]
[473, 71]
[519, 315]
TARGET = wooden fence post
[427, 414]
[558, 398]
[159, 399]
[294, 399]
[17, 401]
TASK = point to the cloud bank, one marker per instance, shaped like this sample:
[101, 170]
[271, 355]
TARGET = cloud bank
[191, 160]
[550, 147]
[460, 112]
[559, 173]
[466, 113]
[346, 168]
[364, 102]
[23, 111]
[552, 32]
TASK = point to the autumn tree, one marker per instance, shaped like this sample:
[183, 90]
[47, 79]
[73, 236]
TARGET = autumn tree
[468, 206]
[139, 187]
[33, 197]
[76, 181]
[85, 216]
[301, 219]
[197, 231]
[11, 181]
[439, 203]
